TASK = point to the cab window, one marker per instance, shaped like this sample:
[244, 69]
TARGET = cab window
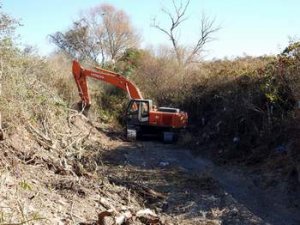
[133, 108]
[145, 109]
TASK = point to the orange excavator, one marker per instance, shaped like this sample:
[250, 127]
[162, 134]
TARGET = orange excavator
[142, 117]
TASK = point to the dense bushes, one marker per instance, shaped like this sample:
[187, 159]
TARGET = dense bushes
[237, 104]
[242, 113]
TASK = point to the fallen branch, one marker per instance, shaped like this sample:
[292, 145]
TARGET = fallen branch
[142, 190]
[32, 128]
[24, 222]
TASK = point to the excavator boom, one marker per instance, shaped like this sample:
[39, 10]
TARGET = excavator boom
[80, 75]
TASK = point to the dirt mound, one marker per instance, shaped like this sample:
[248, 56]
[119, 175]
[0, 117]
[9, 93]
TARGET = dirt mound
[58, 181]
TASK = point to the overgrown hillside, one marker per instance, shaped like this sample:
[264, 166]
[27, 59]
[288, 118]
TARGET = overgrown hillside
[51, 169]
[238, 105]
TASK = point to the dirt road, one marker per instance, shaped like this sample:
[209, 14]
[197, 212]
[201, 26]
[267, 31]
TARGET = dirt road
[196, 190]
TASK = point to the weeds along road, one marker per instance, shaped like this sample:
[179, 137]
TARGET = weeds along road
[195, 190]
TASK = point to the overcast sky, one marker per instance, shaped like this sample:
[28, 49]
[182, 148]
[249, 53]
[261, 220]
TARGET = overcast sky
[252, 27]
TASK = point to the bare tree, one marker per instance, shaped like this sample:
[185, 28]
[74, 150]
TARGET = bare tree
[120, 34]
[207, 29]
[103, 33]
[176, 18]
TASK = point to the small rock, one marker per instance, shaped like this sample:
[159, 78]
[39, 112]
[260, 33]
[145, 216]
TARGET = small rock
[145, 212]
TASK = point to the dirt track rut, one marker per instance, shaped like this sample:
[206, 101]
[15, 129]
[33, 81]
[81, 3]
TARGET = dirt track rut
[232, 198]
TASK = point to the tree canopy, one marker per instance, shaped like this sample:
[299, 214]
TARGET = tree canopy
[102, 34]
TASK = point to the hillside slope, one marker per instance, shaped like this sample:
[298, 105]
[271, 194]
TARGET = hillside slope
[50, 164]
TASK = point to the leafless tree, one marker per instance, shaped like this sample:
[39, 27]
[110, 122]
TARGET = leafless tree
[112, 29]
[102, 33]
[176, 18]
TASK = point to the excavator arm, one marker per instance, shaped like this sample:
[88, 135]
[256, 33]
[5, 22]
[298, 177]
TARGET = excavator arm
[80, 75]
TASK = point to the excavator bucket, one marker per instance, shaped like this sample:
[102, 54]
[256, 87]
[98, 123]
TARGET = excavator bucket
[81, 108]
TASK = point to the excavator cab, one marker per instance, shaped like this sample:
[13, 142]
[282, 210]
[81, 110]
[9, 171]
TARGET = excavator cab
[138, 111]
[137, 114]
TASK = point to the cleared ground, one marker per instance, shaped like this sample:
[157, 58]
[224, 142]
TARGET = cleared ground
[72, 180]
[196, 189]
